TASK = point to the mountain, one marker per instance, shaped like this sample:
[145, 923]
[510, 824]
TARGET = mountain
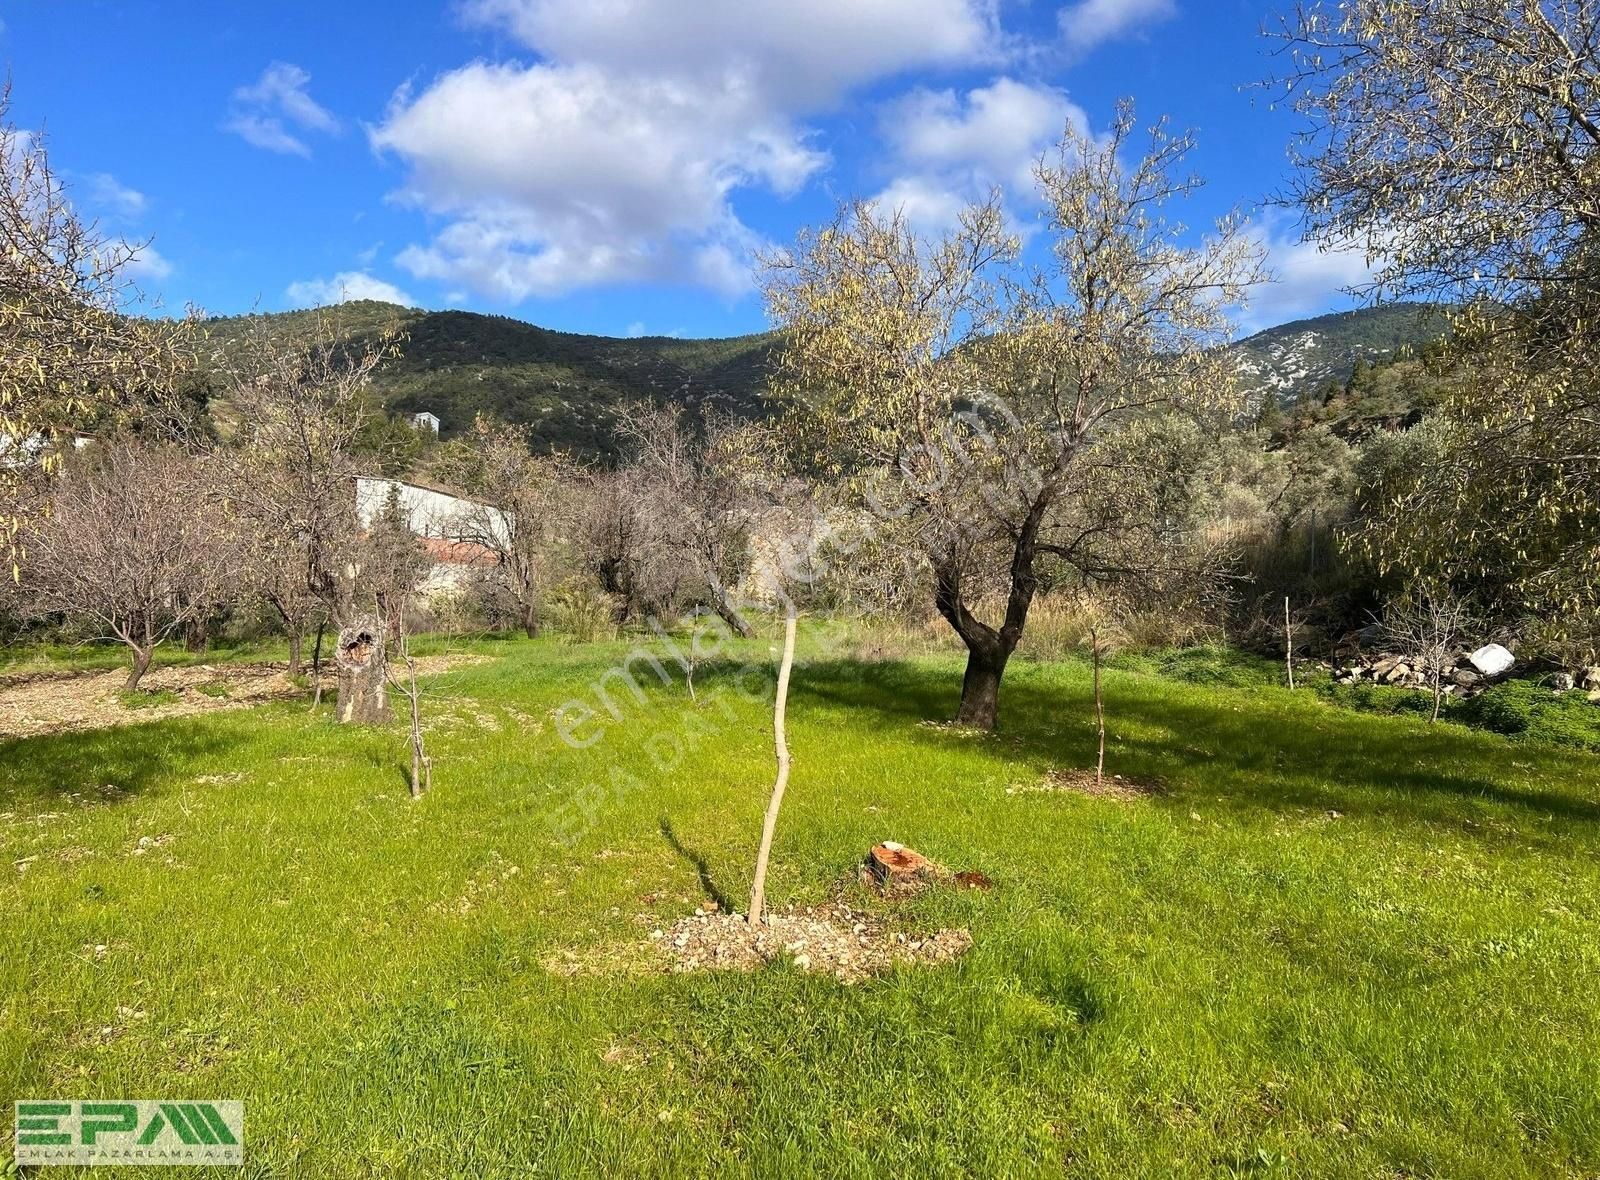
[1301, 358]
[569, 387]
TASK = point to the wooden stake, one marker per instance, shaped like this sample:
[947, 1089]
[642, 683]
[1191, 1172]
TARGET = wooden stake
[1099, 708]
[1288, 643]
[759, 888]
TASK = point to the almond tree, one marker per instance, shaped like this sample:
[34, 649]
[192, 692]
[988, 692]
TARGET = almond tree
[135, 546]
[303, 404]
[517, 511]
[702, 497]
[69, 358]
[965, 390]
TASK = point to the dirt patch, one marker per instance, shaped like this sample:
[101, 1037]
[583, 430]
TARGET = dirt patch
[829, 940]
[1124, 789]
[59, 704]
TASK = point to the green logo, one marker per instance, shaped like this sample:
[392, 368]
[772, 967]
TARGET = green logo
[134, 1132]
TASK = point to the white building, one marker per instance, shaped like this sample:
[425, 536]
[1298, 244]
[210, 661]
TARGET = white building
[429, 512]
[425, 421]
[461, 535]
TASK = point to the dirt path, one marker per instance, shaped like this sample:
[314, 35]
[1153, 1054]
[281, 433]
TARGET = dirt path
[55, 704]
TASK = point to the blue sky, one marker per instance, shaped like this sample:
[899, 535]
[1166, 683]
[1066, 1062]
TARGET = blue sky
[607, 165]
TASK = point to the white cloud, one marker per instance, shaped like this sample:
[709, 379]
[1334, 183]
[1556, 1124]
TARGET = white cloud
[107, 193]
[263, 113]
[1090, 22]
[950, 149]
[148, 263]
[1306, 279]
[635, 329]
[617, 157]
[800, 54]
[343, 288]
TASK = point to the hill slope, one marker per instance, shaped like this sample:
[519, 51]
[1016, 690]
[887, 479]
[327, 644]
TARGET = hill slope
[1302, 357]
[570, 387]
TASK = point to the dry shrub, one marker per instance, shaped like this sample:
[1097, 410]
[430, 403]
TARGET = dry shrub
[583, 613]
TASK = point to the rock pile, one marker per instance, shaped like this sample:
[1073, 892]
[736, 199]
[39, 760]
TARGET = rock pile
[1470, 672]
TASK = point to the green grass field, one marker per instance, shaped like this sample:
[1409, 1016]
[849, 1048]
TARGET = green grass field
[1341, 945]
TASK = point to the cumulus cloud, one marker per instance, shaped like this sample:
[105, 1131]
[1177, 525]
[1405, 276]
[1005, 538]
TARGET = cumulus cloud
[1088, 23]
[950, 149]
[343, 288]
[107, 193]
[147, 263]
[1306, 279]
[275, 111]
[617, 156]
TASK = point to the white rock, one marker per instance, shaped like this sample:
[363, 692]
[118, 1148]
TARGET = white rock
[1492, 659]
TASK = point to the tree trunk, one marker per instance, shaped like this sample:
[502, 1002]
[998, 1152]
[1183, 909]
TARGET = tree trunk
[141, 665]
[725, 612]
[758, 890]
[363, 673]
[296, 642]
[530, 620]
[316, 665]
[197, 634]
[980, 687]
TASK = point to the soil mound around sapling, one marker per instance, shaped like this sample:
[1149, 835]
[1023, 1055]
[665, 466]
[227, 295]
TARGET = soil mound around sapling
[1122, 788]
[831, 939]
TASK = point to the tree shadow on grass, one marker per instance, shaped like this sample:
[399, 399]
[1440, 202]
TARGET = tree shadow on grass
[106, 765]
[701, 867]
[1249, 749]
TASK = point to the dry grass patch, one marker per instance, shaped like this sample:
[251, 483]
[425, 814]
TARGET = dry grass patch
[1122, 788]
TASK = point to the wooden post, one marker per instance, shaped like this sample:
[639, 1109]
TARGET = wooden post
[780, 743]
[1099, 707]
[1288, 642]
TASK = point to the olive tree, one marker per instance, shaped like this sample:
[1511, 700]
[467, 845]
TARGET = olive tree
[964, 388]
[1455, 142]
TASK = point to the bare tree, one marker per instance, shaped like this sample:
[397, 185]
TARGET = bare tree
[69, 357]
[519, 510]
[421, 762]
[613, 534]
[303, 403]
[135, 544]
[702, 492]
[970, 389]
[1425, 625]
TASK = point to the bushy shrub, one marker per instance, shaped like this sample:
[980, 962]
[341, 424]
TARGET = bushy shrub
[1525, 709]
[583, 613]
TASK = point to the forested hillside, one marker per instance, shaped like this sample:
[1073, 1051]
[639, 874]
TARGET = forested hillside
[569, 387]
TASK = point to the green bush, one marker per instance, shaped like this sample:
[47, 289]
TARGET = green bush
[1522, 708]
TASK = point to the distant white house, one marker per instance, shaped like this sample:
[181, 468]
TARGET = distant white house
[460, 534]
[425, 421]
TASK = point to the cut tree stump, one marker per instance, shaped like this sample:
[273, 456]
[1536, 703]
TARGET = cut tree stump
[892, 866]
[363, 665]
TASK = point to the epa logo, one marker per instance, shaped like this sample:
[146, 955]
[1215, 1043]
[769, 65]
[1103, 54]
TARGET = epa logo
[139, 1132]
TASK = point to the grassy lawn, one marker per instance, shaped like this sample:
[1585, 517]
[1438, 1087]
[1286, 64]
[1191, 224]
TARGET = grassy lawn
[1342, 945]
